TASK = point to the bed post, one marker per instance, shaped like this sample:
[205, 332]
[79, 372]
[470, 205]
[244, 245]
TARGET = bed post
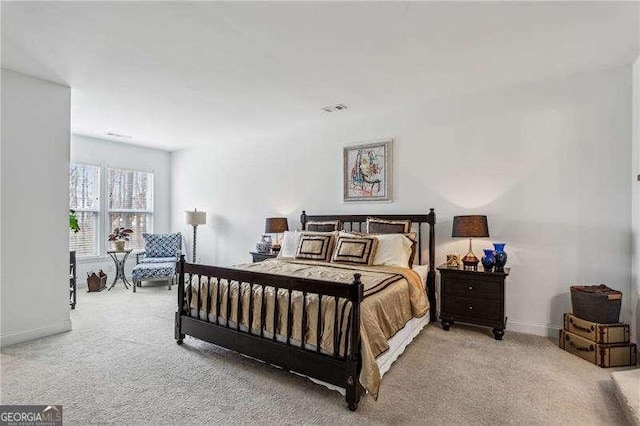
[303, 220]
[431, 276]
[354, 358]
[178, 331]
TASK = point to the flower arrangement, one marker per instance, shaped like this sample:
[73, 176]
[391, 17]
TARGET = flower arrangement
[120, 234]
[119, 237]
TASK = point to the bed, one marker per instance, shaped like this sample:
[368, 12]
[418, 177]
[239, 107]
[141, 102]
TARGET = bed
[312, 318]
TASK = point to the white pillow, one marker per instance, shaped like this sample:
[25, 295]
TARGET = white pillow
[423, 271]
[393, 249]
[289, 244]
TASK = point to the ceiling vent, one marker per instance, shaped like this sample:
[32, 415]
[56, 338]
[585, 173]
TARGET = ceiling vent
[118, 135]
[334, 108]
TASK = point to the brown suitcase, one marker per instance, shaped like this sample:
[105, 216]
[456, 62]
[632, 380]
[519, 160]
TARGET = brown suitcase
[599, 333]
[614, 355]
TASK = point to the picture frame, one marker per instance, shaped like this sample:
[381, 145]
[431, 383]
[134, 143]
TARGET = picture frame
[367, 172]
[454, 260]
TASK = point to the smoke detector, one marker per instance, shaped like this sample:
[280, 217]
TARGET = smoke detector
[334, 108]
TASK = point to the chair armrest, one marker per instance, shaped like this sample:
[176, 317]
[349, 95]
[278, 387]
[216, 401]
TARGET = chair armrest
[142, 253]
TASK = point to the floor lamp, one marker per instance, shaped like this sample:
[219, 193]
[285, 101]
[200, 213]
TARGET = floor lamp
[194, 219]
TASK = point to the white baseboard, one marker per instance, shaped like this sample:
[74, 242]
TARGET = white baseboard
[548, 330]
[23, 336]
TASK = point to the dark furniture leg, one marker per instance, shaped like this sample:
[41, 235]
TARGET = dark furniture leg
[179, 336]
[498, 333]
[354, 391]
[178, 330]
[72, 279]
[445, 323]
[353, 387]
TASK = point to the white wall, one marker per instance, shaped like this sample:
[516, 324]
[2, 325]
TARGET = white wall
[547, 162]
[634, 295]
[90, 150]
[34, 284]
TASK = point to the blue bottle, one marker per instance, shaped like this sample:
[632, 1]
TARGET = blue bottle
[500, 256]
[488, 260]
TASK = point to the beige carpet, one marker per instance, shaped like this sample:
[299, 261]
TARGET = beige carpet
[121, 365]
[627, 386]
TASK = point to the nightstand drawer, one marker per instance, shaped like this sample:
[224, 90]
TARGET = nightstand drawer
[473, 307]
[468, 287]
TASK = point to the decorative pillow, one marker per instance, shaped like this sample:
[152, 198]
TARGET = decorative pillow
[382, 226]
[326, 226]
[162, 245]
[289, 244]
[355, 249]
[315, 246]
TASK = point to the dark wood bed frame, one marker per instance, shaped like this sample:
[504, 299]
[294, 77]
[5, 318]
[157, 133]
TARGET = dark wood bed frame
[338, 369]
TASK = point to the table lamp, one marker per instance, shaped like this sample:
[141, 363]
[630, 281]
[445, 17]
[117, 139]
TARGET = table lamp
[276, 225]
[473, 226]
[194, 219]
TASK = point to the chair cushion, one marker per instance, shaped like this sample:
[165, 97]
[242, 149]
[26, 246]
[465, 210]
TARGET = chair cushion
[154, 270]
[158, 259]
[162, 245]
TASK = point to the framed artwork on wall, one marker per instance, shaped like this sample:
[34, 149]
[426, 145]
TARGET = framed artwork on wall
[367, 171]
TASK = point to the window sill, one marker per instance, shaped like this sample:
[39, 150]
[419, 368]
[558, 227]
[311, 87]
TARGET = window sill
[105, 258]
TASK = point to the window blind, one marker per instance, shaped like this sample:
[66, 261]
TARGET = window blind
[131, 203]
[84, 198]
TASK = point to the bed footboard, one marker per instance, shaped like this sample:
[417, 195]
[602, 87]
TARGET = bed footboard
[341, 367]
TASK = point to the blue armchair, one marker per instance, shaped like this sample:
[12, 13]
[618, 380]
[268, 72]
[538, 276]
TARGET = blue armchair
[158, 260]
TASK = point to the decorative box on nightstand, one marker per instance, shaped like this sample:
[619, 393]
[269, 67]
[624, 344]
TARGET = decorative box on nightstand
[259, 257]
[473, 297]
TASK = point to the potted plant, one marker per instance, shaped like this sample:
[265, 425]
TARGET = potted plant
[73, 221]
[119, 237]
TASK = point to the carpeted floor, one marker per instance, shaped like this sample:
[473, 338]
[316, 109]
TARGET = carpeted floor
[121, 365]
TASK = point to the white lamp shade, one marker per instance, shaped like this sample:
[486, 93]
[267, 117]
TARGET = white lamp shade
[195, 218]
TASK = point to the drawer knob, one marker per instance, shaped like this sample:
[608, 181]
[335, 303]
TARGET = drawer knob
[470, 287]
[470, 307]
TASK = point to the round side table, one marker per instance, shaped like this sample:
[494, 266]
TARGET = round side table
[120, 262]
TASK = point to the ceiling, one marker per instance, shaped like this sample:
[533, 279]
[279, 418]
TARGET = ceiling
[179, 74]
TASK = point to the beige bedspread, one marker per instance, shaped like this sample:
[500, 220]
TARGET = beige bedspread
[392, 296]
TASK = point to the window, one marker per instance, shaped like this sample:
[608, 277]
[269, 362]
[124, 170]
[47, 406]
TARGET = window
[131, 203]
[105, 198]
[84, 198]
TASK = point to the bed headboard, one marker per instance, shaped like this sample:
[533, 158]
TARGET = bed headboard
[355, 223]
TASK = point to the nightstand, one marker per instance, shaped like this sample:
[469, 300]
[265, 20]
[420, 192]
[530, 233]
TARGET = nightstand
[473, 297]
[259, 257]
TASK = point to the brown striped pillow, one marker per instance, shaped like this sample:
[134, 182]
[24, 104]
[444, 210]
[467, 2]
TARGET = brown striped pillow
[325, 226]
[382, 226]
[315, 246]
[353, 249]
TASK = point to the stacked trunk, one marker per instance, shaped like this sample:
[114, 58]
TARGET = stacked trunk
[606, 345]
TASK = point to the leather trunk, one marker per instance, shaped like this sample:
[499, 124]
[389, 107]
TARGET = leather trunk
[611, 355]
[599, 333]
